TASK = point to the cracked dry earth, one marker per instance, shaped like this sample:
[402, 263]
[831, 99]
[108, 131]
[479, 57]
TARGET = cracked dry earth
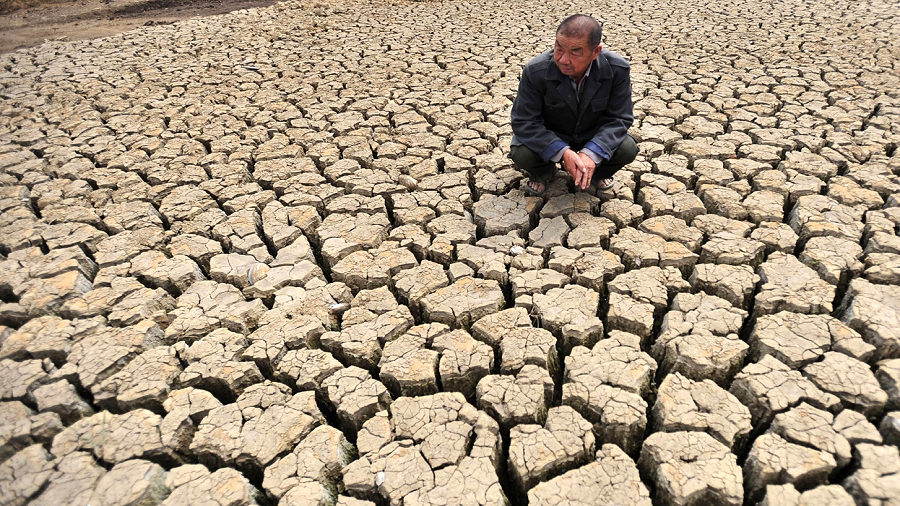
[723, 328]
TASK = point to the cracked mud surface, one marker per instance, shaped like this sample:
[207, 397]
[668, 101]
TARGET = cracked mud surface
[279, 256]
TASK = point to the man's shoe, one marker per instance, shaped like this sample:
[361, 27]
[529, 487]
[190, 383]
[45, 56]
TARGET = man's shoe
[605, 184]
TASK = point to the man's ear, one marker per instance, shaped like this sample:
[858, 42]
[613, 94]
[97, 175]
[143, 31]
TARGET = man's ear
[597, 51]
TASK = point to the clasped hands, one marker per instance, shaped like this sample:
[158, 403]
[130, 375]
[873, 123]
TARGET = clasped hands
[580, 167]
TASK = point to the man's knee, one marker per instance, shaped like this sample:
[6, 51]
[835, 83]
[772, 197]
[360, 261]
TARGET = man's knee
[626, 152]
[529, 161]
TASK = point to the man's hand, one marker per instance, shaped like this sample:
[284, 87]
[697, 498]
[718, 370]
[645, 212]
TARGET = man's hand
[580, 167]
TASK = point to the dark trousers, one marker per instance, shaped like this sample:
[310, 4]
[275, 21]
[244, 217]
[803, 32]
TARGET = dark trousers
[539, 170]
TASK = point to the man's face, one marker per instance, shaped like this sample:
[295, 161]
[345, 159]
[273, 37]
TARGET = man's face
[573, 55]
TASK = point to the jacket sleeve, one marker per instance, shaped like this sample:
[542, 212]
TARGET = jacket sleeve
[527, 119]
[619, 114]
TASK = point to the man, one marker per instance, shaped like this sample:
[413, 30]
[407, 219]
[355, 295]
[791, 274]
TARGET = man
[573, 106]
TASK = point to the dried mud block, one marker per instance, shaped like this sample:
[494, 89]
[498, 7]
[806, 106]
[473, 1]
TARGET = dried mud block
[675, 229]
[60, 397]
[501, 214]
[264, 423]
[192, 403]
[146, 484]
[638, 249]
[445, 450]
[628, 315]
[821, 216]
[319, 457]
[589, 231]
[836, 259]
[24, 474]
[473, 482]
[464, 302]
[776, 461]
[513, 400]
[537, 281]
[776, 236]
[528, 345]
[355, 396]
[888, 375]
[115, 438]
[730, 249]
[618, 415]
[798, 339]
[622, 212]
[570, 313]
[550, 232]
[872, 311]
[492, 329]
[691, 468]
[21, 427]
[45, 296]
[367, 270]
[306, 369]
[703, 406]
[789, 285]
[185, 203]
[415, 283]
[662, 195]
[650, 285]
[537, 453]
[769, 387]
[882, 268]
[196, 247]
[611, 478]
[374, 318]
[589, 267]
[464, 361]
[241, 232]
[877, 478]
[72, 483]
[856, 429]
[699, 338]
[407, 367]
[19, 379]
[105, 352]
[850, 380]
[208, 305]
[126, 246]
[194, 484]
[279, 333]
[811, 427]
[734, 283]
[341, 234]
[143, 383]
[174, 275]
[787, 495]
[487, 262]
[322, 302]
[214, 364]
[617, 361]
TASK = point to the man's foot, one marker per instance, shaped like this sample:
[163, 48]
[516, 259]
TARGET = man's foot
[605, 184]
[535, 187]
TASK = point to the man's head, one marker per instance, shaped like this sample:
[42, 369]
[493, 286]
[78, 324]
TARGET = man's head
[577, 44]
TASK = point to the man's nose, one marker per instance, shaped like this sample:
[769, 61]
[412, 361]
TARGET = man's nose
[564, 59]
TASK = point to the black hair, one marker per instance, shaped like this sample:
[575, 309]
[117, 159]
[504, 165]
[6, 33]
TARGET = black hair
[581, 25]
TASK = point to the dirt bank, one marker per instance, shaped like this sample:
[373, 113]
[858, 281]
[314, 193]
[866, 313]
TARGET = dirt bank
[26, 23]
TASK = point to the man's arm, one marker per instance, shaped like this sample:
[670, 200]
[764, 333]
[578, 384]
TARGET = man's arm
[618, 117]
[527, 119]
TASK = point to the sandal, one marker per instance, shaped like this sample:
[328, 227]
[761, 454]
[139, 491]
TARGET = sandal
[605, 184]
[529, 190]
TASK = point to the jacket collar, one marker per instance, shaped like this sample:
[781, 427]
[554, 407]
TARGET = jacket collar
[600, 70]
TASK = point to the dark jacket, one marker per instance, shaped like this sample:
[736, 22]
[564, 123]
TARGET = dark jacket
[546, 115]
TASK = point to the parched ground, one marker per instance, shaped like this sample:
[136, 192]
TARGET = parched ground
[279, 256]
